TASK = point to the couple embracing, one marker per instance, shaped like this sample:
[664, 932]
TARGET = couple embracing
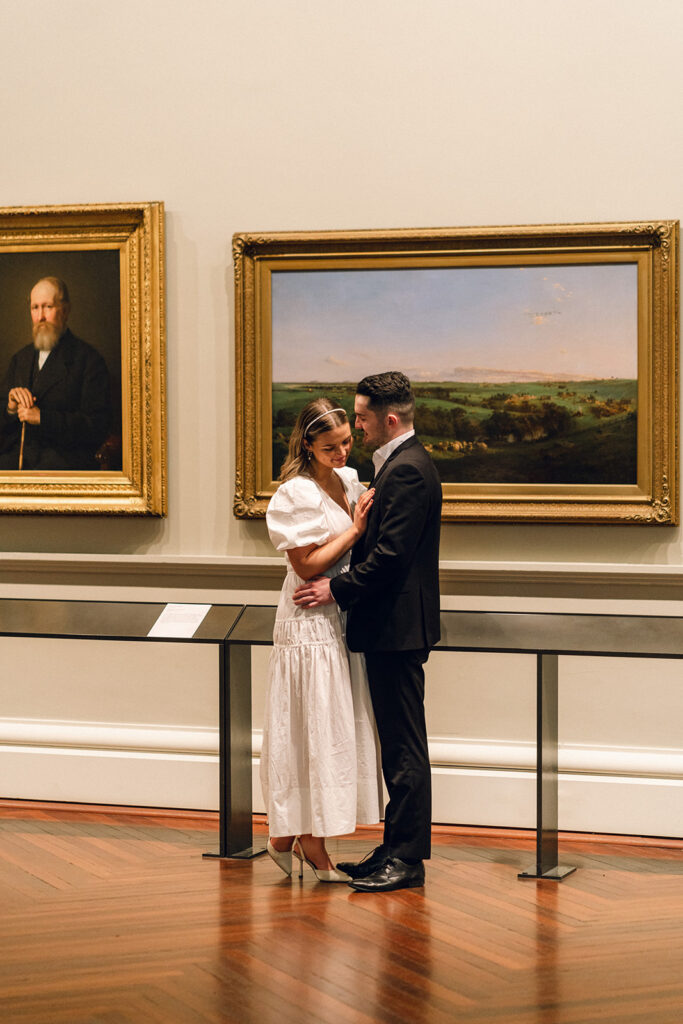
[357, 617]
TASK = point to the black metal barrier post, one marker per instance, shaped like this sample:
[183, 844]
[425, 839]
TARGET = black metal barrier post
[546, 772]
[235, 746]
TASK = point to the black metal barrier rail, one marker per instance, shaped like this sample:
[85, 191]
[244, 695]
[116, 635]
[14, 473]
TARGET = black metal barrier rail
[237, 628]
[546, 635]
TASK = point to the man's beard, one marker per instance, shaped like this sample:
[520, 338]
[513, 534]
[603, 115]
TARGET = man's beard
[45, 336]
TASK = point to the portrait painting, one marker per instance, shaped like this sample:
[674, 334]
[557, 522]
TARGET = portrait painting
[82, 426]
[543, 360]
[93, 316]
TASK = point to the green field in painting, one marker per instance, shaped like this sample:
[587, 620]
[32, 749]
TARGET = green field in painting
[559, 432]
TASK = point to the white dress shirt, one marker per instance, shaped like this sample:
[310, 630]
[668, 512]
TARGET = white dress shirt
[380, 455]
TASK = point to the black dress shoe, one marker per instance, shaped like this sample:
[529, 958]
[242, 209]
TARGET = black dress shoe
[367, 866]
[393, 874]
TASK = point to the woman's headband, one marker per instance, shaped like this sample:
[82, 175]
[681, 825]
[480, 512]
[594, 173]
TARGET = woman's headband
[328, 412]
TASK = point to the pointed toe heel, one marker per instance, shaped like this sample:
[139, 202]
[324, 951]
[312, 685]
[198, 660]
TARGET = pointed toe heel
[322, 874]
[283, 858]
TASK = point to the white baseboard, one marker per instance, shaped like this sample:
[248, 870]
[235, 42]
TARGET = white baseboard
[128, 778]
[631, 791]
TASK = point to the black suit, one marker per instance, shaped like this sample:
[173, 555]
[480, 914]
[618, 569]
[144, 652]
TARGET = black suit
[391, 594]
[72, 392]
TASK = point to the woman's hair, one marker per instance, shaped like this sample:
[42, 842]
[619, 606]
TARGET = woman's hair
[316, 418]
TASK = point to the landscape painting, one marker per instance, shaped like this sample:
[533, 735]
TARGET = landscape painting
[544, 360]
[522, 374]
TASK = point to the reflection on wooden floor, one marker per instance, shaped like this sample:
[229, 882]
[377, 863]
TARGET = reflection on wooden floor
[115, 918]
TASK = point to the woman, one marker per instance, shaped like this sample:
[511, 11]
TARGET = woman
[319, 763]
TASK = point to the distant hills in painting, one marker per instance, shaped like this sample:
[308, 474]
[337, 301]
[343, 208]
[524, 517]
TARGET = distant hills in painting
[490, 375]
[501, 427]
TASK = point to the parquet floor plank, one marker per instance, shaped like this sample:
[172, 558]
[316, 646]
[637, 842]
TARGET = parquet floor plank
[114, 918]
[40, 873]
[449, 965]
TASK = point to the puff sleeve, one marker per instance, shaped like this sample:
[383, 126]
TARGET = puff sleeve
[296, 515]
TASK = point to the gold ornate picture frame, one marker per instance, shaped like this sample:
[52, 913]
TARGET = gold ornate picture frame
[544, 360]
[100, 444]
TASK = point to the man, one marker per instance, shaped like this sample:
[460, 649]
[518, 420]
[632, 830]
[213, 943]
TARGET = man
[391, 593]
[56, 390]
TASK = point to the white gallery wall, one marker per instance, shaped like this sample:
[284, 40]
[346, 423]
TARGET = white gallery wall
[336, 114]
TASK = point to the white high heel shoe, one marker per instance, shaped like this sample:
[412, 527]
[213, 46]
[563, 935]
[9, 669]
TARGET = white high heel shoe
[283, 858]
[321, 874]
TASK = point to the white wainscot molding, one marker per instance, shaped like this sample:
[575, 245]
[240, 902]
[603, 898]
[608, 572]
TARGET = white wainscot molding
[625, 790]
[38, 574]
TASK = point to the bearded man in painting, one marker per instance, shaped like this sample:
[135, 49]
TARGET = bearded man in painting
[56, 392]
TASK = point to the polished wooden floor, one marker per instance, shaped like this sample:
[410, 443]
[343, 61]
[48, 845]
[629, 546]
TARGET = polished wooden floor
[115, 918]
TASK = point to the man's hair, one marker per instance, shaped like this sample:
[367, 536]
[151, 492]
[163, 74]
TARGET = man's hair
[389, 392]
[62, 290]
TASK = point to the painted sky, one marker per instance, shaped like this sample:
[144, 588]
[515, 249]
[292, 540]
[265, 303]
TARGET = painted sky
[455, 322]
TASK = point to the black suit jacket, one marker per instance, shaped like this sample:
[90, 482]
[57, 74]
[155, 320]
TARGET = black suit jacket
[391, 591]
[72, 392]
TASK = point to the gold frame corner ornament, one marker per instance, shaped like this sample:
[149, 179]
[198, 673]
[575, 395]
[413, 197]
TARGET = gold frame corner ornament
[136, 231]
[652, 245]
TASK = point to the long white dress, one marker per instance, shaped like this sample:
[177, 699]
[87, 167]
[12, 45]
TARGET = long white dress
[320, 766]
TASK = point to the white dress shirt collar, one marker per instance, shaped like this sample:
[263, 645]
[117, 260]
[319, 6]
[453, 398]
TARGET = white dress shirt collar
[380, 455]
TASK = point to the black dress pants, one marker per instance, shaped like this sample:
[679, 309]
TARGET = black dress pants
[397, 688]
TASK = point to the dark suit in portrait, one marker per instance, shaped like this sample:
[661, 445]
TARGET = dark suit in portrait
[72, 391]
[391, 593]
